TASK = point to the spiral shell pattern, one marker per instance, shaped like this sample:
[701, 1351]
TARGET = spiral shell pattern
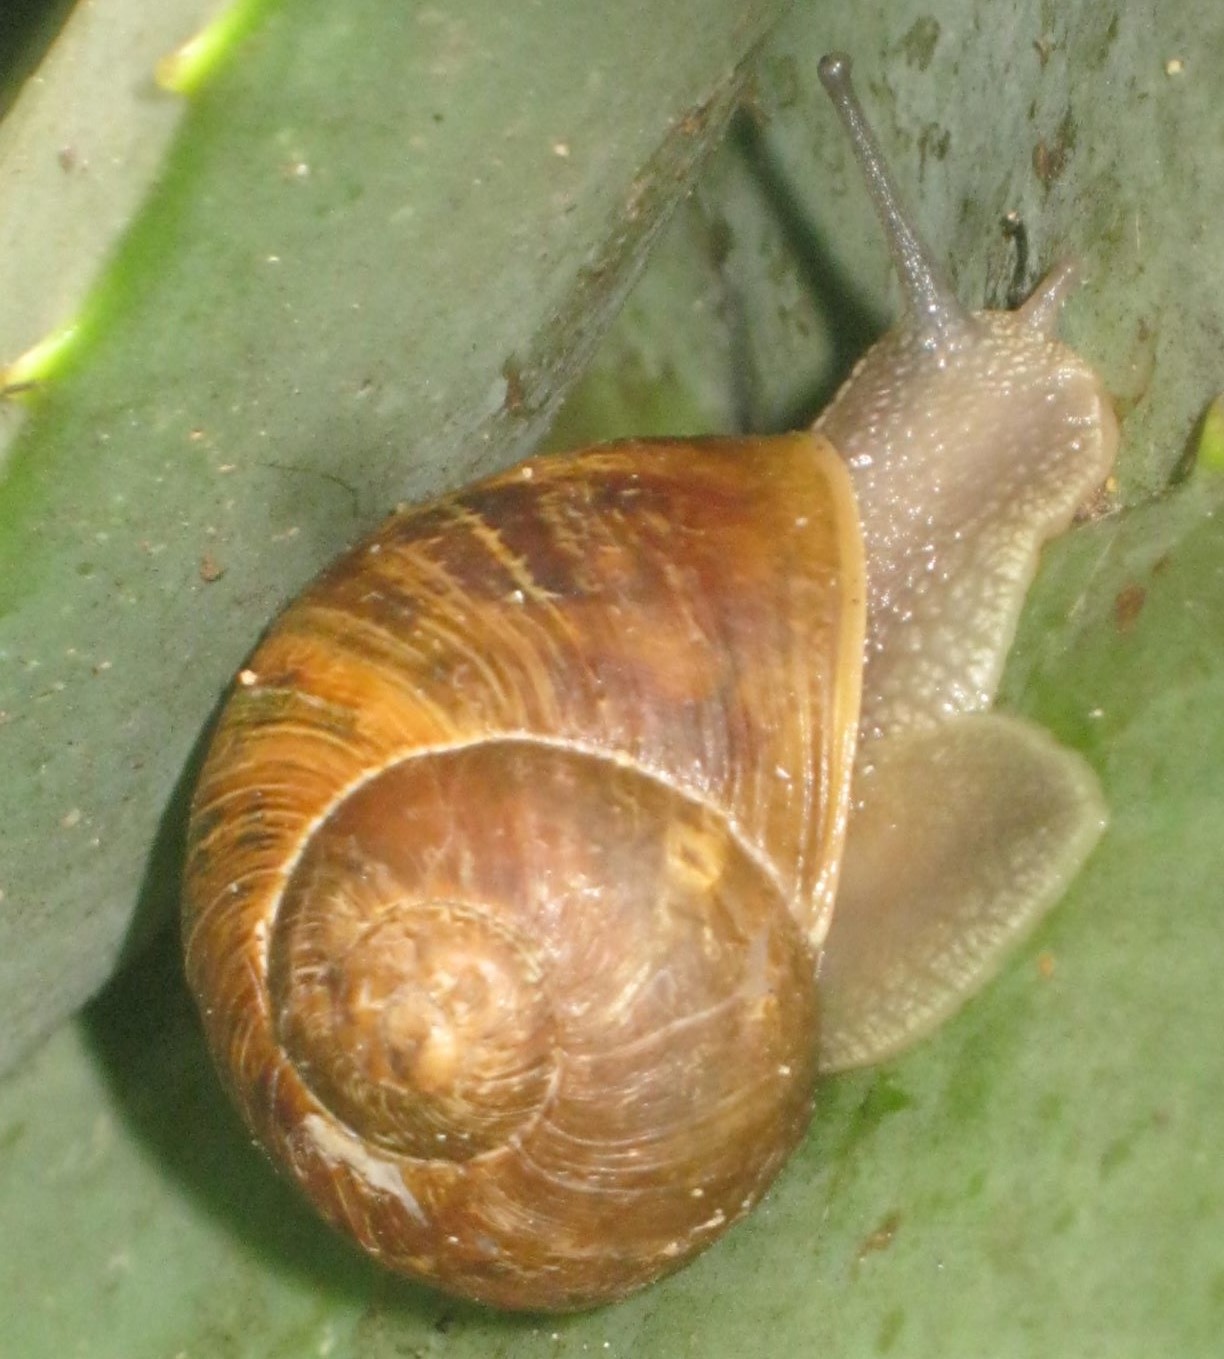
[513, 853]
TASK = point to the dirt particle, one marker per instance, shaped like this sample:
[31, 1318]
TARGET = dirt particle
[1128, 605]
[881, 1238]
[210, 568]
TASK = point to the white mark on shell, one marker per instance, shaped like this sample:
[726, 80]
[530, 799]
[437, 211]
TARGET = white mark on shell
[336, 1146]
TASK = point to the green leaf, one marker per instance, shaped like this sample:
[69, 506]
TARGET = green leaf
[1043, 1176]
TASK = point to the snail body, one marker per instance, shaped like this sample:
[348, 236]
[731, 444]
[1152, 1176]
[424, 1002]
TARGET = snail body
[512, 866]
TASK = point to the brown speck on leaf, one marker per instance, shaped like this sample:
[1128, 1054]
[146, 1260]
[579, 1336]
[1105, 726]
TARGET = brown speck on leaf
[67, 158]
[635, 199]
[1048, 161]
[71, 819]
[1046, 965]
[1043, 47]
[1050, 157]
[1128, 605]
[515, 400]
[210, 569]
[881, 1238]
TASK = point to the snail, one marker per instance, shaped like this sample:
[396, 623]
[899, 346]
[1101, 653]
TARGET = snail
[511, 875]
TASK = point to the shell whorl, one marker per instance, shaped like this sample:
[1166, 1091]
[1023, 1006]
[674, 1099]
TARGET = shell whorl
[509, 864]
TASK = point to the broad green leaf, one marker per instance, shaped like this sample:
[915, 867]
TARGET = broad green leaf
[1041, 1177]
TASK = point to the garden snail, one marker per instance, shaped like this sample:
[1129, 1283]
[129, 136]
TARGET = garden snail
[509, 902]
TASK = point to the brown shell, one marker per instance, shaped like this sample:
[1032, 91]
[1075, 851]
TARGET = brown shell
[513, 852]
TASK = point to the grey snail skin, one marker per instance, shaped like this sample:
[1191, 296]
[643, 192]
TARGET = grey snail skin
[560, 836]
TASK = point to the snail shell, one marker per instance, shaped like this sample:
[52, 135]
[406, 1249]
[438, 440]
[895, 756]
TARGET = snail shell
[514, 851]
